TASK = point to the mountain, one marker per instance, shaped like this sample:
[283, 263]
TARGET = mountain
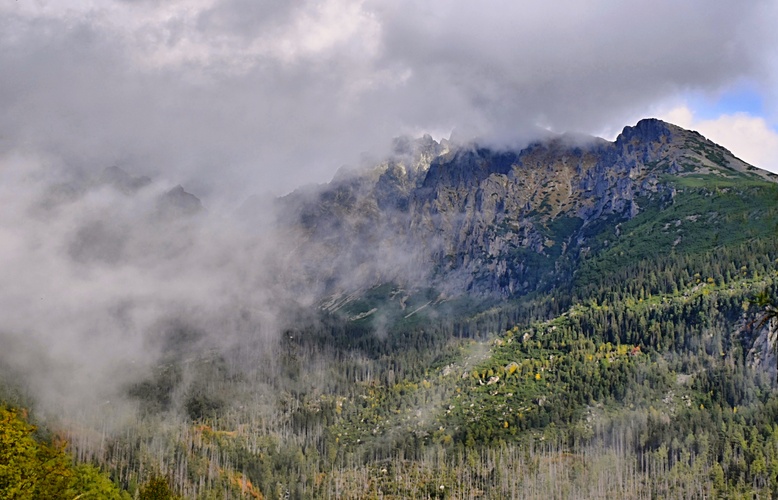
[577, 318]
[599, 295]
[504, 223]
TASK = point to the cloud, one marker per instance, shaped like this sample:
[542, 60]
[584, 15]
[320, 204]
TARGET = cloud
[233, 97]
[750, 138]
[99, 277]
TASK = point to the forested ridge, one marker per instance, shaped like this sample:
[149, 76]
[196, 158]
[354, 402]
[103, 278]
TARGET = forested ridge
[638, 367]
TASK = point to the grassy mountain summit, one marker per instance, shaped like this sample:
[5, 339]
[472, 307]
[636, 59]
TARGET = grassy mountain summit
[574, 319]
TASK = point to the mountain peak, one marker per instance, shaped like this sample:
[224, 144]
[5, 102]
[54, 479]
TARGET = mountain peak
[648, 130]
[178, 202]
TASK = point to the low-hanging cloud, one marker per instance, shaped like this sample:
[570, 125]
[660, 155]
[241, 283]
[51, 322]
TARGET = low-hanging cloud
[103, 272]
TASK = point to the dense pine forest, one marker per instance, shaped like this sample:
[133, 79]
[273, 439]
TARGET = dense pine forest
[641, 366]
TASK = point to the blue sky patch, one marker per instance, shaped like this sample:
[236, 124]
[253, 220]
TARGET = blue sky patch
[741, 99]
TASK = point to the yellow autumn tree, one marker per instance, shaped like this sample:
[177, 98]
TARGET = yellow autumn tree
[32, 468]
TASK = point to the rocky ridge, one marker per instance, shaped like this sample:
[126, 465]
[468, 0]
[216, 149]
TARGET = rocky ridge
[493, 222]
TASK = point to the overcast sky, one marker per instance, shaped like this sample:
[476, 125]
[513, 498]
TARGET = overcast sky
[234, 97]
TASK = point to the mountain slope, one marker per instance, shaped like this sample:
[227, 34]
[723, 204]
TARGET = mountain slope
[570, 320]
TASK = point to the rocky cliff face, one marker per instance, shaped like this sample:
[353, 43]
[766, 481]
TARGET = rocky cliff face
[502, 223]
